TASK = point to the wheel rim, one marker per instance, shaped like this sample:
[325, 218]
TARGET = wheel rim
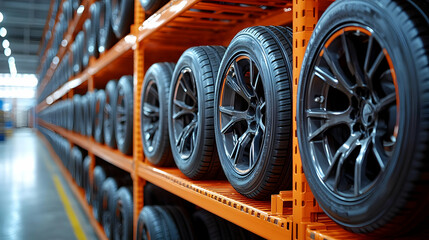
[242, 113]
[351, 112]
[150, 116]
[121, 115]
[185, 113]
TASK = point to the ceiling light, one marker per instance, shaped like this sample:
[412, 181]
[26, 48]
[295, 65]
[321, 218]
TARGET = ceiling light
[6, 43]
[12, 66]
[7, 52]
[1, 17]
[3, 32]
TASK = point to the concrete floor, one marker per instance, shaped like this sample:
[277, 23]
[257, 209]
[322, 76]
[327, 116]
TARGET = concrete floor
[30, 205]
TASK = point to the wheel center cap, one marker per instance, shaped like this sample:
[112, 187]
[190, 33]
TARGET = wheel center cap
[367, 115]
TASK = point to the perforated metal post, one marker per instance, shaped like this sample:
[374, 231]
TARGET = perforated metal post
[304, 205]
[138, 182]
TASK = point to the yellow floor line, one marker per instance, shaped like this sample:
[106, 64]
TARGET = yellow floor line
[78, 231]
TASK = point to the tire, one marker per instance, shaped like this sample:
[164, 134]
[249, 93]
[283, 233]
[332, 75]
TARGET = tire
[77, 123]
[253, 118]
[85, 114]
[76, 166]
[154, 114]
[375, 135]
[123, 214]
[86, 179]
[156, 224]
[95, 29]
[99, 178]
[110, 114]
[122, 17]
[106, 37]
[124, 115]
[210, 226]
[89, 123]
[100, 103]
[182, 221]
[106, 200]
[193, 125]
[70, 114]
[151, 6]
[85, 42]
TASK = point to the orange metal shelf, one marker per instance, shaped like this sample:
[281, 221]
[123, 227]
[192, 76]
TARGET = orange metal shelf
[113, 156]
[77, 191]
[220, 198]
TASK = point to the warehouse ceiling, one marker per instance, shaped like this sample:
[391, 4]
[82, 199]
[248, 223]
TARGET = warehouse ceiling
[24, 21]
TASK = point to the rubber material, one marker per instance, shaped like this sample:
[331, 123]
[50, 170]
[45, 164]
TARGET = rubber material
[124, 205]
[124, 115]
[99, 177]
[106, 200]
[122, 17]
[100, 102]
[110, 114]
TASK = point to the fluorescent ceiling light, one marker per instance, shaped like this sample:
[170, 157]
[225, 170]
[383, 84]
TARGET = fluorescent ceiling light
[7, 52]
[1, 17]
[3, 32]
[12, 66]
[20, 80]
[5, 43]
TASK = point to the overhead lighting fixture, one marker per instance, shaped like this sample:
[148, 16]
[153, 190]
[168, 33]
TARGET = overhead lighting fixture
[12, 66]
[3, 32]
[1, 17]
[7, 52]
[5, 43]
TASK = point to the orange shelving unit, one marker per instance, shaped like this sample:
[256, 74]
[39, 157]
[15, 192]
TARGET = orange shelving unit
[292, 214]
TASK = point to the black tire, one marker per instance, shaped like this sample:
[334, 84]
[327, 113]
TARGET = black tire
[122, 17]
[89, 123]
[190, 112]
[182, 220]
[70, 114]
[85, 42]
[77, 103]
[85, 114]
[378, 126]
[154, 114]
[156, 224]
[106, 36]
[77, 166]
[124, 115]
[123, 214]
[209, 226]
[110, 114]
[151, 6]
[95, 29]
[99, 177]
[253, 116]
[100, 103]
[106, 200]
[86, 180]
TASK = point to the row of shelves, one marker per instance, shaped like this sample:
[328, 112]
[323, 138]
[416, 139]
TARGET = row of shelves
[274, 219]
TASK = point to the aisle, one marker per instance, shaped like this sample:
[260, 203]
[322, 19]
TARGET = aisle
[31, 186]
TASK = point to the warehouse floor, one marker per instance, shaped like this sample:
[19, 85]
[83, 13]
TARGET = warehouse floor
[35, 200]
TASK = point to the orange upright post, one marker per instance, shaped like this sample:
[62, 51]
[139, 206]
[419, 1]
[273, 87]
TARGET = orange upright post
[305, 17]
[138, 156]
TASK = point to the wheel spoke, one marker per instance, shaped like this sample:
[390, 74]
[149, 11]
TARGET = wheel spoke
[187, 89]
[239, 147]
[332, 81]
[236, 116]
[332, 119]
[245, 92]
[363, 153]
[342, 154]
[368, 52]
[352, 60]
[150, 110]
[377, 153]
[182, 113]
[120, 109]
[340, 81]
[184, 134]
[256, 142]
[385, 102]
[183, 105]
[375, 66]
